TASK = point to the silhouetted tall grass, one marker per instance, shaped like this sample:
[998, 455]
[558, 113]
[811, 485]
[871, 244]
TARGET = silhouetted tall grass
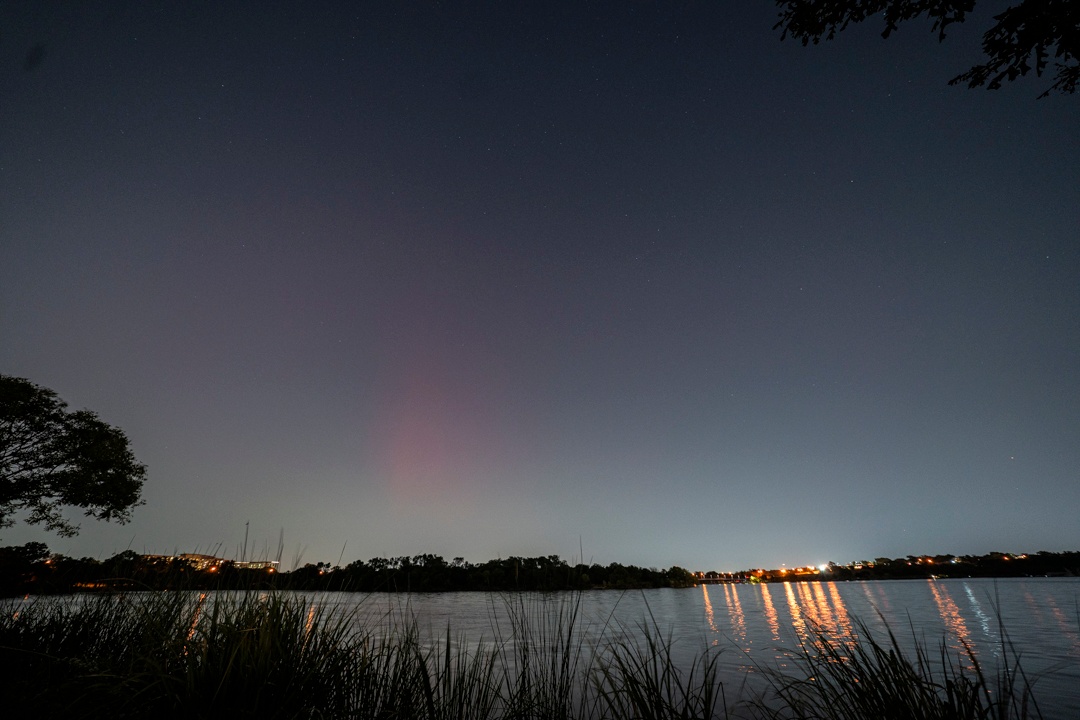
[274, 655]
[872, 678]
[640, 679]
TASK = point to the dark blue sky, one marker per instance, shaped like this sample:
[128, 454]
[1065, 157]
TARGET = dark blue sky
[481, 279]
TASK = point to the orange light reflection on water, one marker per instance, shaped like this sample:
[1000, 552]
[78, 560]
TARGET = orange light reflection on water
[1066, 626]
[823, 612]
[954, 623]
[738, 620]
[770, 612]
[844, 629]
[194, 621]
[881, 601]
[797, 620]
[709, 617]
[309, 625]
[818, 613]
[809, 607]
[1033, 606]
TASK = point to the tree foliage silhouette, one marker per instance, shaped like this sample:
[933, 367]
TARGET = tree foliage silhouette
[51, 458]
[1024, 37]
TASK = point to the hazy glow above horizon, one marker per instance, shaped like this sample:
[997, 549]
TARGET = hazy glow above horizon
[635, 282]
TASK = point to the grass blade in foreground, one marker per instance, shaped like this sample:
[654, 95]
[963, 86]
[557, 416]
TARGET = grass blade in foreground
[275, 655]
[875, 679]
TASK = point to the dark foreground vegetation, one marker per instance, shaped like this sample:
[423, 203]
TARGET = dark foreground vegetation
[275, 655]
[30, 568]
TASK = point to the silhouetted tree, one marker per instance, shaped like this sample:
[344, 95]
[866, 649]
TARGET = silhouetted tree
[1024, 37]
[17, 565]
[51, 458]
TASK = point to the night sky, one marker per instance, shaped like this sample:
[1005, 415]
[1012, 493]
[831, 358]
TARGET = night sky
[495, 279]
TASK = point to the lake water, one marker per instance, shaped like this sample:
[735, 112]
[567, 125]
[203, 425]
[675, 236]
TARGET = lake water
[760, 626]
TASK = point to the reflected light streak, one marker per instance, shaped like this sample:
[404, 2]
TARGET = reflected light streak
[797, 620]
[309, 625]
[1033, 605]
[26, 598]
[818, 608]
[1065, 626]
[709, 613]
[194, 621]
[770, 612]
[881, 601]
[738, 620]
[984, 621]
[869, 595]
[809, 607]
[826, 621]
[844, 630]
[954, 622]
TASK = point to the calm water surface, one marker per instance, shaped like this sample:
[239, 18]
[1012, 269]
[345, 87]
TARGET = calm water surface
[760, 626]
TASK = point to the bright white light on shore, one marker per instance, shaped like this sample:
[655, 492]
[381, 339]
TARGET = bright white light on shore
[822, 568]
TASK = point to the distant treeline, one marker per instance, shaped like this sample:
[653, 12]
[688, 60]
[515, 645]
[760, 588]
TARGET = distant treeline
[30, 568]
[995, 564]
